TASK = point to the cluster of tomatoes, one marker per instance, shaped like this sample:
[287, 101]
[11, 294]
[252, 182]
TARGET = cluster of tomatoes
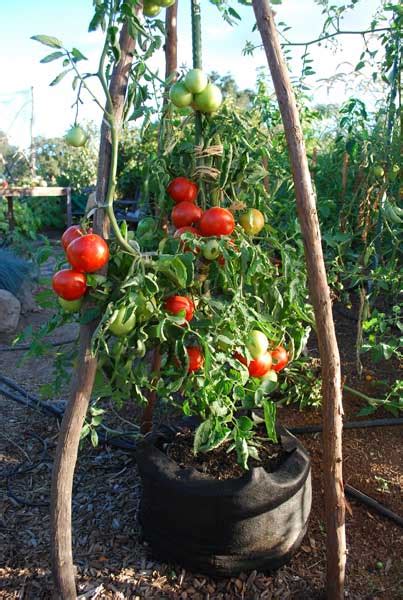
[214, 223]
[196, 91]
[86, 253]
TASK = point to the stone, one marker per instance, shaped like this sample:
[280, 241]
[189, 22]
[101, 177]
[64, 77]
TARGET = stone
[10, 310]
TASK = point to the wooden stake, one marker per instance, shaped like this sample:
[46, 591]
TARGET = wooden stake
[73, 419]
[320, 296]
[171, 40]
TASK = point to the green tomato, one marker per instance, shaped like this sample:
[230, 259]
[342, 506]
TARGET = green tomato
[146, 225]
[76, 136]
[151, 9]
[145, 308]
[121, 323]
[257, 343]
[378, 171]
[211, 250]
[209, 100]
[70, 306]
[195, 81]
[165, 3]
[180, 96]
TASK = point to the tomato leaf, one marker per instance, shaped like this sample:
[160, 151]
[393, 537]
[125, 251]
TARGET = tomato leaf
[47, 40]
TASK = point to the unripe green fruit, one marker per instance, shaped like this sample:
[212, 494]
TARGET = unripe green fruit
[257, 344]
[151, 9]
[180, 96]
[76, 136]
[195, 81]
[70, 306]
[209, 100]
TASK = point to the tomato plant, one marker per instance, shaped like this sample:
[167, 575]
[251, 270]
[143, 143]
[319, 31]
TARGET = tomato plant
[88, 253]
[69, 284]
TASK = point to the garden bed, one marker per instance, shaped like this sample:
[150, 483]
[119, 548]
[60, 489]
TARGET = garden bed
[112, 561]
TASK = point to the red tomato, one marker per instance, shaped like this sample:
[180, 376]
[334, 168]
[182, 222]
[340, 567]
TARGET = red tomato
[257, 367]
[182, 190]
[175, 304]
[69, 284]
[72, 233]
[196, 358]
[185, 213]
[280, 358]
[88, 254]
[217, 221]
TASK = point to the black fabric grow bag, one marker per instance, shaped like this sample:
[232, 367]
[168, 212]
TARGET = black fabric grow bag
[223, 527]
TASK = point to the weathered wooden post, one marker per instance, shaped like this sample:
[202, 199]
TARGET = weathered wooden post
[320, 296]
[73, 419]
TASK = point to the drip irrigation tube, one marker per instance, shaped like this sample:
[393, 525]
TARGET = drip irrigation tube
[351, 491]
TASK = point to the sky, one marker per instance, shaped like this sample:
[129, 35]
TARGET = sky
[222, 52]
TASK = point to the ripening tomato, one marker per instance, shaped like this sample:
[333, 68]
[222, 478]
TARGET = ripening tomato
[216, 222]
[252, 221]
[196, 358]
[176, 304]
[72, 233]
[185, 213]
[258, 367]
[257, 343]
[69, 284]
[182, 190]
[280, 358]
[88, 253]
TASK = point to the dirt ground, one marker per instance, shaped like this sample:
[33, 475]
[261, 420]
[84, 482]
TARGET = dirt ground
[112, 561]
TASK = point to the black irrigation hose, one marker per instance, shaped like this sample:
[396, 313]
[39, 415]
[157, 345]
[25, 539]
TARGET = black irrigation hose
[351, 491]
[23, 397]
[348, 425]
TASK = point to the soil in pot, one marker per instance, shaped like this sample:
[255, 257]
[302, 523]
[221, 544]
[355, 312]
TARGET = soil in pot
[219, 463]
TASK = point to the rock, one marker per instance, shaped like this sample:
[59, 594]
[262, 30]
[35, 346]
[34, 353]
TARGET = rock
[10, 310]
[26, 298]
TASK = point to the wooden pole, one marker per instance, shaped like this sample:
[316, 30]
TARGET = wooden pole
[320, 296]
[73, 419]
[171, 40]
